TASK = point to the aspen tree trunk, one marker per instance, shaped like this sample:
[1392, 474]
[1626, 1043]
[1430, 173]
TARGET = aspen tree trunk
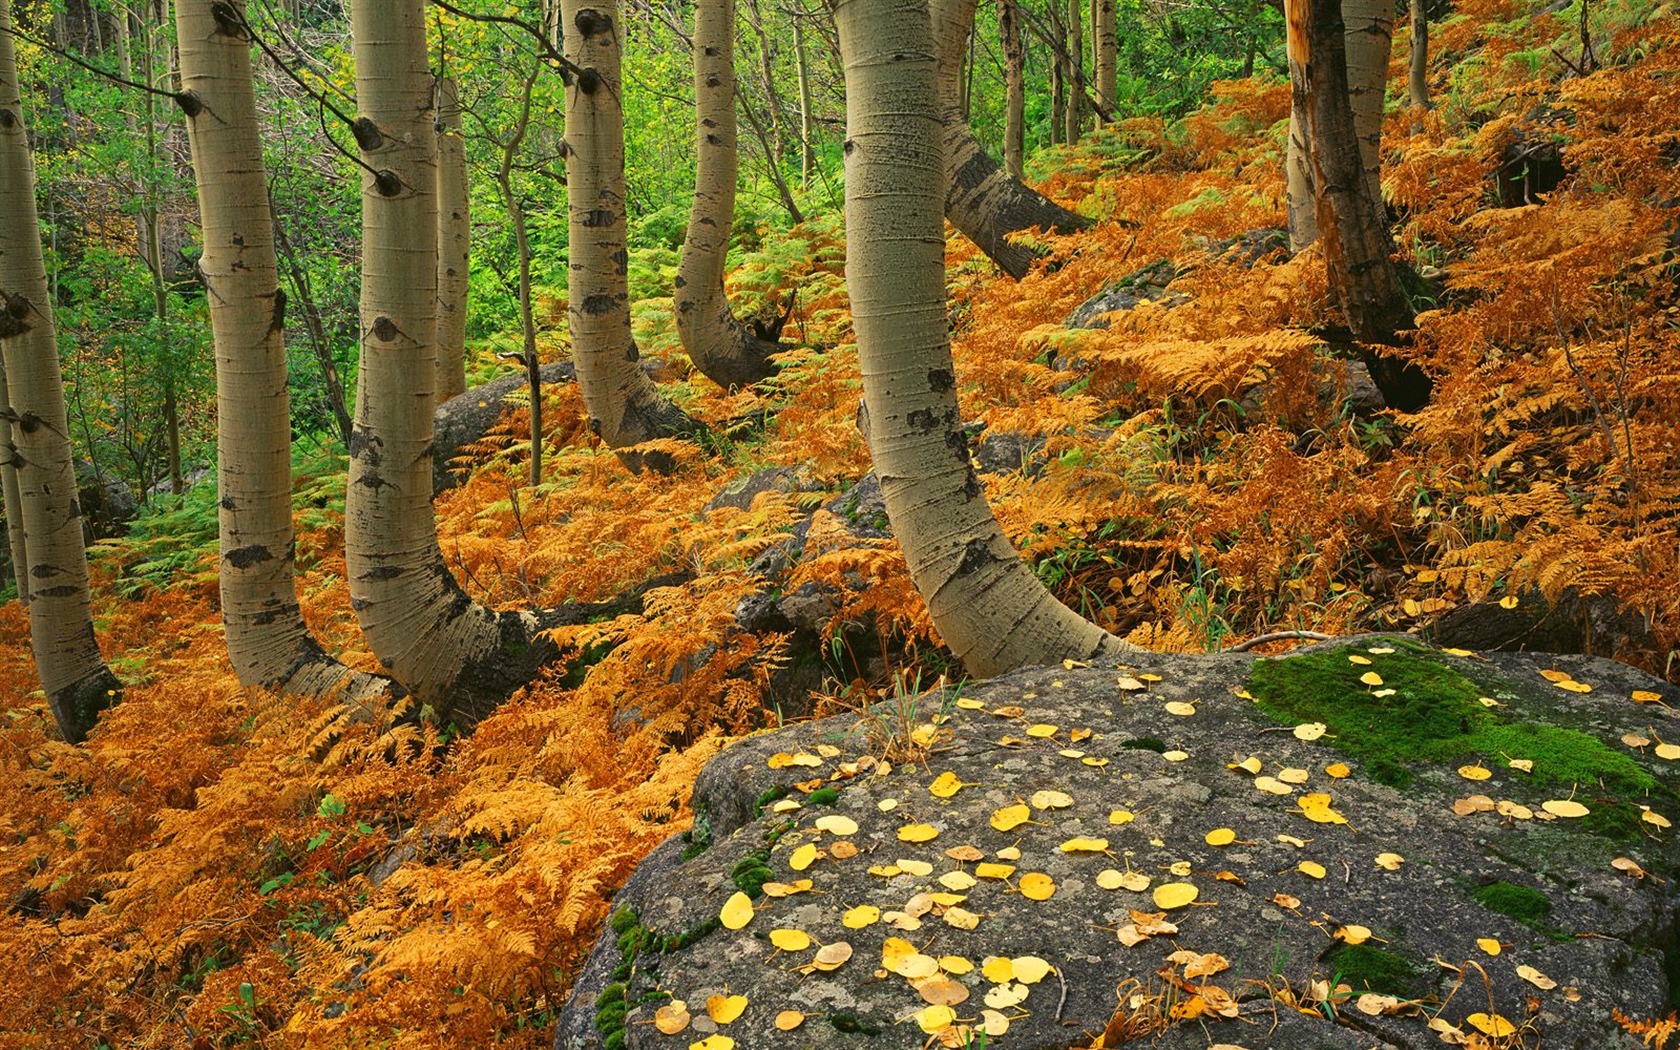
[721, 347]
[1076, 69]
[1369, 26]
[989, 608]
[13, 501]
[73, 674]
[267, 641]
[807, 151]
[1419, 68]
[767, 76]
[1015, 95]
[1108, 49]
[454, 244]
[981, 199]
[624, 406]
[1354, 236]
[1058, 74]
[453, 655]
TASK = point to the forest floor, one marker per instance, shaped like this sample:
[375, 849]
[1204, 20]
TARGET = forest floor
[218, 868]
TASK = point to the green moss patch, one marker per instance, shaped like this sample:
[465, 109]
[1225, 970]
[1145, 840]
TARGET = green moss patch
[1523, 903]
[1433, 715]
[1367, 969]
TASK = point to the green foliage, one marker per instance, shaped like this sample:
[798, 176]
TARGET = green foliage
[1523, 903]
[1368, 969]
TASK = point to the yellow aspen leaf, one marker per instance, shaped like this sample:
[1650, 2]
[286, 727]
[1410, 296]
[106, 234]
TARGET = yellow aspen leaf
[805, 758]
[1575, 687]
[790, 940]
[1071, 752]
[1390, 861]
[885, 871]
[1489, 945]
[997, 969]
[960, 918]
[672, 1017]
[787, 805]
[1250, 765]
[1109, 879]
[1411, 607]
[1310, 731]
[968, 703]
[1536, 978]
[1555, 676]
[1565, 807]
[859, 917]
[946, 900]
[1118, 817]
[1629, 867]
[964, 853]
[1459, 652]
[1488, 701]
[1508, 602]
[1079, 735]
[1380, 650]
[1353, 933]
[1514, 810]
[1315, 806]
[779, 760]
[1051, 800]
[1003, 996]
[1272, 786]
[992, 1023]
[1042, 730]
[1428, 575]
[1130, 684]
[917, 966]
[1476, 772]
[725, 1008]
[1337, 770]
[990, 870]
[957, 880]
[831, 956]
[1652, 817]
[1312, 869]
[1371, 678]
[1009, 711]
[1030, 969]
[934, 1018]
[1008, 853]
[1094, 761]
[1363, 661]
[1174, 755]
[1474, 804]
[1291, 840]
[945, 785]
[919, 868]
[1521, 765]
[1170, 895]
[955, 964]
[715, 1041]
[1242, 694]
[1645, 696]
[1011, 817]
[1037, 886]
[887, 805]
[1149, 677]
[1636, 740]
[787, 889]
[804, 856]
[843, 849]
[1667, 752]
[1284, 900]
[788, 1020]
[1180, 708]
[917, 833]
[1220, 837]
[1181, 868]
[1292, 775]
[940, 990]
[737, 911]
[836, 824]
[1491, 1025]
[1085, 845]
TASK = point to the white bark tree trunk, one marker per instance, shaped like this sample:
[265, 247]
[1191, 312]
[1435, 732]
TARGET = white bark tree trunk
[454, 244]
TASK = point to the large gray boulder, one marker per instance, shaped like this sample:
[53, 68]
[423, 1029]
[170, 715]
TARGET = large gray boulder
[1403, 848]
[467, 417]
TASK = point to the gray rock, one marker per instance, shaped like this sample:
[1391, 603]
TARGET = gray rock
[1274, 924]
[467, 417]
[1148, 283]
[107, 503]
[743, 491]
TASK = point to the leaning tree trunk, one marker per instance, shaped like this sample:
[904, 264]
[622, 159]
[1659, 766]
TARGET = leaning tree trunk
[1363, 279]
[267, 641]
[455, 656]
[73, 674]
[1369, 28]
[989, 608]
[1015, 93]
[625, 408]
[1419, 66]
[725, 350]
[454, 244]
[1108, 65]
[13, 501]
[981, 199]
[1076, 69]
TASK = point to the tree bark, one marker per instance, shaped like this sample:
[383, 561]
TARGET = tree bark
[991, 611]
[1363, 279]
[77, 682]
[314, 329]
[1058, 74]
[267, 641]
[624, 406]
[981, 199]
[1108, 48]
[1076, 70]
[1369, 27]
[454, 244]
[456, 657]
[1015, 94]
[807, 150]
[724, 349]
[1419, 68]
[13, 501]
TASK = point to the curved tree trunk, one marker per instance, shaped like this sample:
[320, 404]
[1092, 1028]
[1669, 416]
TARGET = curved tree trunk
[267, 641]
[454, 244]
[981, 199]
[455, 656]
[1419, 66]
[1369, 28]
[989, 608]
[1015, 94]
[73, 674]
[1108, 63]
[726, 351]
[1356, 244]
[13, 501]
[624, 406]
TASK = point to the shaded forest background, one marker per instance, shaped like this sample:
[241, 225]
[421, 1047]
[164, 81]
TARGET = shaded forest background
[221, 867]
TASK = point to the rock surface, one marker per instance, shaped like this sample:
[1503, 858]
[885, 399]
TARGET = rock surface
[467, 417]
[1153, 781]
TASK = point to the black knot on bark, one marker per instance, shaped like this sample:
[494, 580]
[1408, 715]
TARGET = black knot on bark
[591, 22]
[588, 81]
[14, 319]
[228, 21]
[368, 135]
[190, 102]
[387, 183]
[8, 119]
[384, 329]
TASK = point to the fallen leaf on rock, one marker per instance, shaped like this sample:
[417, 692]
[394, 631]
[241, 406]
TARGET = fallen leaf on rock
[1051, 800]
[1373, 1004]
[1291, 775]
[1130, 684]
[1249, 765]
[1474, 804]
[917, 833]
[1180, 708]
[1284, 900]
[998, 969]
[1521, 765]
[1220, 837]
[955, 964]
[1371, 678]
[737, 911]
[843, 850]
[1645, 696]
[1180, 868]
[1629, 867]
[1536, 978]
[1085, 845]
[1272, 786]
[1030, 969]
[1652, 817]
[788, 1020]
[790, 940]
[960, 918]
[1668, 752]
[1492, 1025]
[786, 805]
[1042, 731]
[993, 1023]
[1011, 817]
[1315, 806]
[1009, 711]
[940, 990]
[725, 1008]
[836, 824]
[671, 1018]
[831, 956]
[957, 880]
[1514, 810]
[1353, 933]
[716, 1041]
[968, 703]
[885, 871]
[887, 805]
[1489, 945]
[1291, 840]
[1338, 770]
[1312, 869]
[787, 889]
[1199, 964]
[1003, 996]
[1565, 807]
[1475, 772]
[804, 856]
[1390, 861]
[919, 868]
[1008, 853]
[933, 1018]
[994, 871]
[1121, 816]
[859, 917]
[1037, 886]
[1170, 895]
[1310, 731]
